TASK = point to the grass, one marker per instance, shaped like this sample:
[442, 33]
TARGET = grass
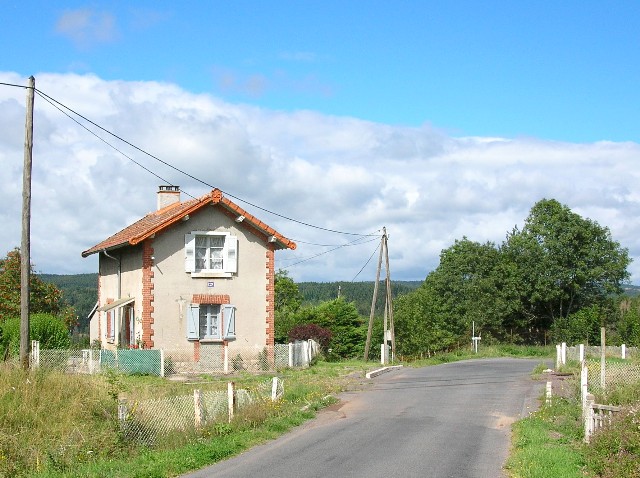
[57, 425]
[548, 443]
[54, 425]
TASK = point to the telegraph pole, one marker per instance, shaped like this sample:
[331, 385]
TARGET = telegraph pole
[373, 303]
[25, 247]
[388, 326]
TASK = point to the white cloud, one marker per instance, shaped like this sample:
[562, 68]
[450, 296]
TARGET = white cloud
[87, 27]
[338, 173]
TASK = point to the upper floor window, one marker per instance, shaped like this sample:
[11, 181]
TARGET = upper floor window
[210, 252]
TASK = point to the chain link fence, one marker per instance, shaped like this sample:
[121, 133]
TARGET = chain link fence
[208, 359]
[147, 421]
[615, 374]
[573, 353]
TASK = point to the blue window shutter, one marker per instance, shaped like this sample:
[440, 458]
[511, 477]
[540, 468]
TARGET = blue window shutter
[229, 320]
[231, 262]
[189, 252]
[193, 322]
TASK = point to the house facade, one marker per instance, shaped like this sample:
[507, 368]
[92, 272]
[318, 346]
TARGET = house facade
[189, 274]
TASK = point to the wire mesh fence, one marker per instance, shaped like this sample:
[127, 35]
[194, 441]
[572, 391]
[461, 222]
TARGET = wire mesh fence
[207, 359]
[573, 352]
[147, 421]
[615, 374]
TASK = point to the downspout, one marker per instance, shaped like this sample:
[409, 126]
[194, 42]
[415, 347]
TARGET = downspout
[119, 260]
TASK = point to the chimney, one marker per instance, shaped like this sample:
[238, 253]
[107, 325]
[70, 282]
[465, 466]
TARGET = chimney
[168, 195]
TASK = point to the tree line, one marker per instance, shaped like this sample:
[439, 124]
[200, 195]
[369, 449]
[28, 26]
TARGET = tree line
[559, 278]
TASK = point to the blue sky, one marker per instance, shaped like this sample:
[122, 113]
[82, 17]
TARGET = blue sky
[565, 70]
[437, 120]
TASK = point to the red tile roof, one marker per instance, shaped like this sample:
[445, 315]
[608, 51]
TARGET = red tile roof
[158, 221]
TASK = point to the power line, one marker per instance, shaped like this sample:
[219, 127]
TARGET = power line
[330, 250]
[44, 97]
[190, 175]
[11, 84]
[366, 263]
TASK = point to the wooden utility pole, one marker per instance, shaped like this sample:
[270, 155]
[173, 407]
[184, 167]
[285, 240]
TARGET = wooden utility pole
[388, 309]
[388, 300]
[25, 247]
[373, 303]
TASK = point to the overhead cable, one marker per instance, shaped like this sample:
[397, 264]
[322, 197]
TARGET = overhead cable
[193, 177]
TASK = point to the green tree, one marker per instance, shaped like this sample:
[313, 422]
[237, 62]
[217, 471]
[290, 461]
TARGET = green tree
[44, 297]
[563, 263]
[287, 303]
[629, 321]
[342, 319]
[421, 325]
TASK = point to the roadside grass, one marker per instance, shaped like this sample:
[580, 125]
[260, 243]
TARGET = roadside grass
[489, 351]
[548, 443]
[55, 425]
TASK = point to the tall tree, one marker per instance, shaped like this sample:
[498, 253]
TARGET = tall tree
[44, 297]
[287, 303]
[563, 263]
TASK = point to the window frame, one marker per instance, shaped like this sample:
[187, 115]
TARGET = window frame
[229, 254]
[225, 321]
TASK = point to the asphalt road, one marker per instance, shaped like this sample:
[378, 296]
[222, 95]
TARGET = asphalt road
[451, 420]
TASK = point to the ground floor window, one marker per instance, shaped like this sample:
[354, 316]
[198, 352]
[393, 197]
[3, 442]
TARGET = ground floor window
[211, 322]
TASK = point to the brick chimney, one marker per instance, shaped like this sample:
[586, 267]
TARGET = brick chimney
[168, 195]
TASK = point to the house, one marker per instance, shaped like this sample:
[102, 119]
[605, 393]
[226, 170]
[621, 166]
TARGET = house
[191, 274]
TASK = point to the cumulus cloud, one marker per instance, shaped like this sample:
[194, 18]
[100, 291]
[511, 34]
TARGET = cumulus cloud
[337, 173]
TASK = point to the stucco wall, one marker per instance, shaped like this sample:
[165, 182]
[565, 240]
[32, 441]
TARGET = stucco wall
[131, 286]
[173, 288]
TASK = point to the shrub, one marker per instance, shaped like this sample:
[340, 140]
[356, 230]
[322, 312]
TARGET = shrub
[48, 329]
[615, 451]
[311, 331]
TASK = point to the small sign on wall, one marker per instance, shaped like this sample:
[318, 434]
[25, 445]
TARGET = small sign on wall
[210, 283]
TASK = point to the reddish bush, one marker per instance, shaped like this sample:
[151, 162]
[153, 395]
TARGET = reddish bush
[311, 331]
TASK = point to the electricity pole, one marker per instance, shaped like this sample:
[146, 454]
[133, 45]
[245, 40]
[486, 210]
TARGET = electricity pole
[388, 326]
[25, 247]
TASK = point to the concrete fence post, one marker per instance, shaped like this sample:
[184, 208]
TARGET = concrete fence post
[162, 362]
[623, 351]
[225, 359]
[564, 353]
[231, 398]
[197, 407]
[581, 353]
[588, 420]
[274, 389]
[584, 378]
[290, 354]
[558, 357]
[35, 353]
[123, 412]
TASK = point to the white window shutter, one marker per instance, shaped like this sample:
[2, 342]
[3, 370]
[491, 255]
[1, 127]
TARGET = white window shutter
[189, 252]
[229, 319]
[231, 263]
[193, 322]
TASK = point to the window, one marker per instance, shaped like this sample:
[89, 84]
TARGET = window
[211, 253]
[211, 322]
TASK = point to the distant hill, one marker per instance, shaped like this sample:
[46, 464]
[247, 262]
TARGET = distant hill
[631, 290]
[79, 291]
[359, 292]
